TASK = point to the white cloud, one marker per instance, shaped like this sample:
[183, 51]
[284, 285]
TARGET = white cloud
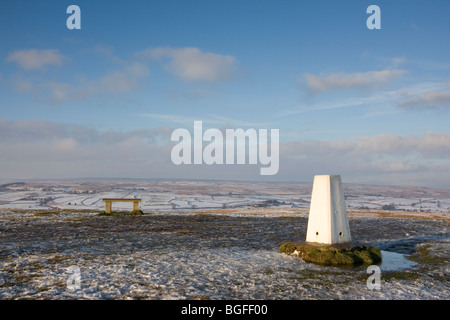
[137, 69]
[105, 52]
[428, 146]
[47, 150]
[42, 90]
[421, 160]
[59, 92]
[65, 145]
[192, 64]
[437, 99]
[114, 82]
[343, 81]
[397, 61]
[187, 64]
[126, 76]
[34, 59]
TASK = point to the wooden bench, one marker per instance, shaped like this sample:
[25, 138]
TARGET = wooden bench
[109, 201]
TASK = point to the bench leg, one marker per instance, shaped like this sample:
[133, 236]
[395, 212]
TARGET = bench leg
[108, 207]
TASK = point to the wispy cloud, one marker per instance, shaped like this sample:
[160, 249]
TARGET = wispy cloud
[34, 59]
[230, 122]
[171, 118]
[210, 119]
[423, 95]
[343, 81]
[379, 97]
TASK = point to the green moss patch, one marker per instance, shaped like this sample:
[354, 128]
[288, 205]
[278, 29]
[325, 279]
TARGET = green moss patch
[424, 254]
[330, 255]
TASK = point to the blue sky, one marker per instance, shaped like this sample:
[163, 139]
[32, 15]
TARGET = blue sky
[371, 105]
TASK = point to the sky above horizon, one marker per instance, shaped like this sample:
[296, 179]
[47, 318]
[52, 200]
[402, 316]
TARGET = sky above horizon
[102, 101]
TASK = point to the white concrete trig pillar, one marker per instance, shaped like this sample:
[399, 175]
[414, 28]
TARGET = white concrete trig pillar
[328, 221]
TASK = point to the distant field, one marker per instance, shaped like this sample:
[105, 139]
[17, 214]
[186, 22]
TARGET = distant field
[225, 196]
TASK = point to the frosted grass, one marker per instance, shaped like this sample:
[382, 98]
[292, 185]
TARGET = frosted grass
[193, 257]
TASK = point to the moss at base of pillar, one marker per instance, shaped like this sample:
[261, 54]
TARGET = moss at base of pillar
[333, 254]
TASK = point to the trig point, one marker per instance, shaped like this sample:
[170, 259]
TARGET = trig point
[328, 221]
[328, 236]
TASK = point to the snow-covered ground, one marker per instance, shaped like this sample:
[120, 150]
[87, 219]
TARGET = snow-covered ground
[200, 239]
[193, 256]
